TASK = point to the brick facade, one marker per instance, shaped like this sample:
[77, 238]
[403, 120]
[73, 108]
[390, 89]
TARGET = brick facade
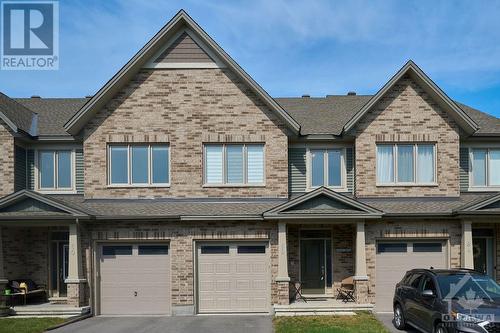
[186, 108]
[6, 160]
[406, 113]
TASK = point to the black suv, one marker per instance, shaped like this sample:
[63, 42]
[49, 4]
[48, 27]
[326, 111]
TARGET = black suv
[445, 301]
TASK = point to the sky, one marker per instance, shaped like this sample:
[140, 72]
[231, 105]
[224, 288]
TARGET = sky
[290, 48]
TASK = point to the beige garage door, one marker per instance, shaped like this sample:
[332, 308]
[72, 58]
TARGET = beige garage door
[233, 277]
[395, 258]
[134, 279]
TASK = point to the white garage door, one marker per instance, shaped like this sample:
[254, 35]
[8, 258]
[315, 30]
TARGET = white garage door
[134, 279]
[233, 277]
[395, 258]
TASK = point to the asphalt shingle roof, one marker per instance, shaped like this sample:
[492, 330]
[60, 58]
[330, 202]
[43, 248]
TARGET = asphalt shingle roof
[53, 113]
[17, 113]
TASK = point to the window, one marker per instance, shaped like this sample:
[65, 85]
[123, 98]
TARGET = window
[55, 170]
[214, 249]
[153, 249]
[485, 167]
[327, 167]
[429, 285]
[247, 249]
[414, 281]
[139, 165]
[234, 164]
[113, 250]
[391, 247]
[427, 247]
[406, 164]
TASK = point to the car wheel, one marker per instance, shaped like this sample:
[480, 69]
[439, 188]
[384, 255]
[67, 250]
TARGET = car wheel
[440, 328]
[399, 317]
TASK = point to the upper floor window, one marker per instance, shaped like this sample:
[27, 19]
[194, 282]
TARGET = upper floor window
[55, 170]
[139, 165]
[327, 168]
[234, 164]
[485, 167]
[406, 164]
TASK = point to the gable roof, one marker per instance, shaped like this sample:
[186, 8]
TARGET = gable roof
[489, 206]
[323, 203]
[17, 116]
[410, 68]
[179, 21]
[29, 204]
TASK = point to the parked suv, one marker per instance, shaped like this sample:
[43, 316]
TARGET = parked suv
[445, 301]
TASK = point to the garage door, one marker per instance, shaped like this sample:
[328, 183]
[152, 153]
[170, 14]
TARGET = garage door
[233, 277]
[134, 279]
[395, 258]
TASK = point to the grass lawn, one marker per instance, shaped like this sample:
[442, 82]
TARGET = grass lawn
[362, 322]
[27, 325]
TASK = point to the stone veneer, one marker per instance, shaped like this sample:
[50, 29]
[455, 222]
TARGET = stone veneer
[410, 229]
[406, 113]
[181, 237]
[186, 108]
[6, 160]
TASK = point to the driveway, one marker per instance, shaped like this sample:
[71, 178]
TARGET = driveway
[190, 324]
[386, 319]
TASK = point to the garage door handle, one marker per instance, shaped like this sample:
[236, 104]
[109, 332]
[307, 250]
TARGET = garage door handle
[135, 293]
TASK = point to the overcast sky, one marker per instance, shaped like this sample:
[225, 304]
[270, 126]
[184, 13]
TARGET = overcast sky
[289, 47]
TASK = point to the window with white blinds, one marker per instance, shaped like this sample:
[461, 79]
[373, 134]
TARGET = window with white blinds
[234, 164]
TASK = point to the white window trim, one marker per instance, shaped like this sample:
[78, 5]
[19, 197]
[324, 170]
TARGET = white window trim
[483, 188]
[129, 184]
[415, 162]
[55, 190]
[343, 169]
[224, 165]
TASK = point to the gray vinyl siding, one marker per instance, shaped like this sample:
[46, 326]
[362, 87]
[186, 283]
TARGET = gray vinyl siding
[297, 169]
[184, 50]
[19, 168]
[464, 169]
[79, 171]
[30, 172]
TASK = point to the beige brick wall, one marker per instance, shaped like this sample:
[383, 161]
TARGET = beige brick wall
[181, 237]
[410, 229]
[407, 114]
[186, 108]
[6, 160]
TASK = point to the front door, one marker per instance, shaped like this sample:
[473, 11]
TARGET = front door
[59, 268]
[482, 240]
[312, 266]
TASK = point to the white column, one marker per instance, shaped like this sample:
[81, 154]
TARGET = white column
[75, 269]
[282, 254]
[467, 248]
[3, 278]
[360, 268]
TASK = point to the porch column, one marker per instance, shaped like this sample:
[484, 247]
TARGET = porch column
[467, 248]
[360, 275]
[3, 278]
[75, 281]
[282, 279]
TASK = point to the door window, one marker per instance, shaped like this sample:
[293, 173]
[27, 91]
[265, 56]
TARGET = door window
[414, 280]
[429, 285]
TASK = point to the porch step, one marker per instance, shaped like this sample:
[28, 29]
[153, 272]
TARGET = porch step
[48, 310]
[320, 308]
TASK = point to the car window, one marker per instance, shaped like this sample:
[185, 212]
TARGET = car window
[428, 285]
[414, 280]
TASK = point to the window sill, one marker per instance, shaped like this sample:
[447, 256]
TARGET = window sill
[484, 189]
[407, 185]
[232, 185]
[139, 186]
[336, 189]
[71, 191]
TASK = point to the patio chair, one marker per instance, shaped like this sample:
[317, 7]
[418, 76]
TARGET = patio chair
[296, 291]
[346, 290]
[32, 290]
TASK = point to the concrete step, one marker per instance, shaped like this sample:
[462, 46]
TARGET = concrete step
[53, 310]
[320, 308]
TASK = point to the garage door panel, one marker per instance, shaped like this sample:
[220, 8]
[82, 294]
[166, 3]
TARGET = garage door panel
[391, 267]
[136, 283]
[233, 282]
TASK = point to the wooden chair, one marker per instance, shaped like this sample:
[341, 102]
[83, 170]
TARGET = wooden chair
[346, 290]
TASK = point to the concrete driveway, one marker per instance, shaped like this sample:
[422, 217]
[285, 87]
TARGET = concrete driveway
[386, 319]
[190, 324]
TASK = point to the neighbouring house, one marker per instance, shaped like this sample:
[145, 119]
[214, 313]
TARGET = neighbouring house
[182, 187]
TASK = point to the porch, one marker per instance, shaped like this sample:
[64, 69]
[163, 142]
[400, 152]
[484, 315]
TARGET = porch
[48, 309]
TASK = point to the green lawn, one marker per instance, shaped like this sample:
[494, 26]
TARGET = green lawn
[362, 322]
[27, 325]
